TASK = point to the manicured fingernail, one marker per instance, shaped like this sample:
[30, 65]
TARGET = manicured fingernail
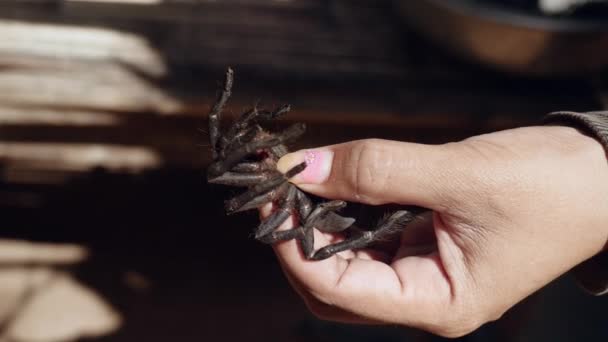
[318, 165]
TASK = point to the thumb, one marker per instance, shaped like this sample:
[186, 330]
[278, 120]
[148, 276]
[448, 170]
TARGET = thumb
[375, 171]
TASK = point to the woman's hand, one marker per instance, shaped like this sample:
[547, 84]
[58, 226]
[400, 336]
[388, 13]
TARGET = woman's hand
[512, 211]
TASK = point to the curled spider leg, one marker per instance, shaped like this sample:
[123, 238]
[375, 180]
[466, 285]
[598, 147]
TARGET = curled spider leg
[249, 118]
[334, 223]
[279, 216]
[214, 114]
[305, 233]
[268, 197]
[235, 204]
[308, 223]
[302, 234]
[395, 222]
[232, 159]
[306, 237]
[322, 210]
[304, 205]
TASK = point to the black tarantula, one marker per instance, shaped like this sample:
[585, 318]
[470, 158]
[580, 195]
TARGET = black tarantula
[245, 155]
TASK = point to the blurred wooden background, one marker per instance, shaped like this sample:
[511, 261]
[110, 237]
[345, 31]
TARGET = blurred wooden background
[102, 104]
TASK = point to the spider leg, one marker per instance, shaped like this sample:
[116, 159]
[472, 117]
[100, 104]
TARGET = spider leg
[307, 241]
[334, 223]
[241, 179]
[321, 210]
[221, 166]
[280, 111]
[395, 222]
[236, 203]
[304, 209]
[240, 140]
[304, 205]
[284, 235]
[238, 127]
[278, 151]
[270, 196]
[249, 118]
[252, 167]
[279, 216]
[214, 114]
[305, 233]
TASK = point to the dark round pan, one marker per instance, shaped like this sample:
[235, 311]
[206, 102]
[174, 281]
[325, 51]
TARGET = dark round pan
[510, 40]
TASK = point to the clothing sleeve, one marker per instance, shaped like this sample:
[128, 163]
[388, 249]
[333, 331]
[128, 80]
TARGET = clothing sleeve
[592, 274]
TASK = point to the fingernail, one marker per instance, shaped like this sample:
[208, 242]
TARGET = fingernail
[318, 165]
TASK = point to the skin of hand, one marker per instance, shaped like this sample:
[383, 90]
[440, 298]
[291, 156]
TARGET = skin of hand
[511, 211]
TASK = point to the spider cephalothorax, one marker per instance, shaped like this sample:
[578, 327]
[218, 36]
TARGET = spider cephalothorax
[245, 155]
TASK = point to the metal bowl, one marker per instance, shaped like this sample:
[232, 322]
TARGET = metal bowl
[516, 41]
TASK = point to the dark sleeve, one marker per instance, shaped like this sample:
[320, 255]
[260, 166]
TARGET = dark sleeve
[592, 274]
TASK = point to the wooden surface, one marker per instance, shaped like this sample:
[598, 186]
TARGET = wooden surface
[126, 87]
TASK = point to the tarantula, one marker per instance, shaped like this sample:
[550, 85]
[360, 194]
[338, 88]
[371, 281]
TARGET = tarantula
[245, 155]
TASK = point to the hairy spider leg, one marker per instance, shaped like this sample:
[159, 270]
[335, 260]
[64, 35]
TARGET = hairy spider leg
[305, 232]
[334, 223]
[395, 222]
[304, 205]
[268, 197]
[232, 159]
[279, 216]
[235, 204]
[214, 114]
[280, 111]
[242, 179]
[278, 151]
[253, 167]
[240, 140]
[318, 215]
[223, 165]
[241, 126]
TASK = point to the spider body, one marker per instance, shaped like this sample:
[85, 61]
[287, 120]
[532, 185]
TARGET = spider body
[245, 155]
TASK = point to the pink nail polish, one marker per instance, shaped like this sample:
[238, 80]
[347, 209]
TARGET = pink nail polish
[318, 165]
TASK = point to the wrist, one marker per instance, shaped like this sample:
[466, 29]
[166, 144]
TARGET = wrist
[592, 155]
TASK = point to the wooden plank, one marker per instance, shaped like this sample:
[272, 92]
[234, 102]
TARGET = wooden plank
[239, 33]
[109, 88]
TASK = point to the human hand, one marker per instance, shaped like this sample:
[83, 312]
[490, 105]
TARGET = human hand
[512, 211]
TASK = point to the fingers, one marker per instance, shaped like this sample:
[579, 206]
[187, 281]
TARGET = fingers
[410, 292]
[375, 171]
[360, 287]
